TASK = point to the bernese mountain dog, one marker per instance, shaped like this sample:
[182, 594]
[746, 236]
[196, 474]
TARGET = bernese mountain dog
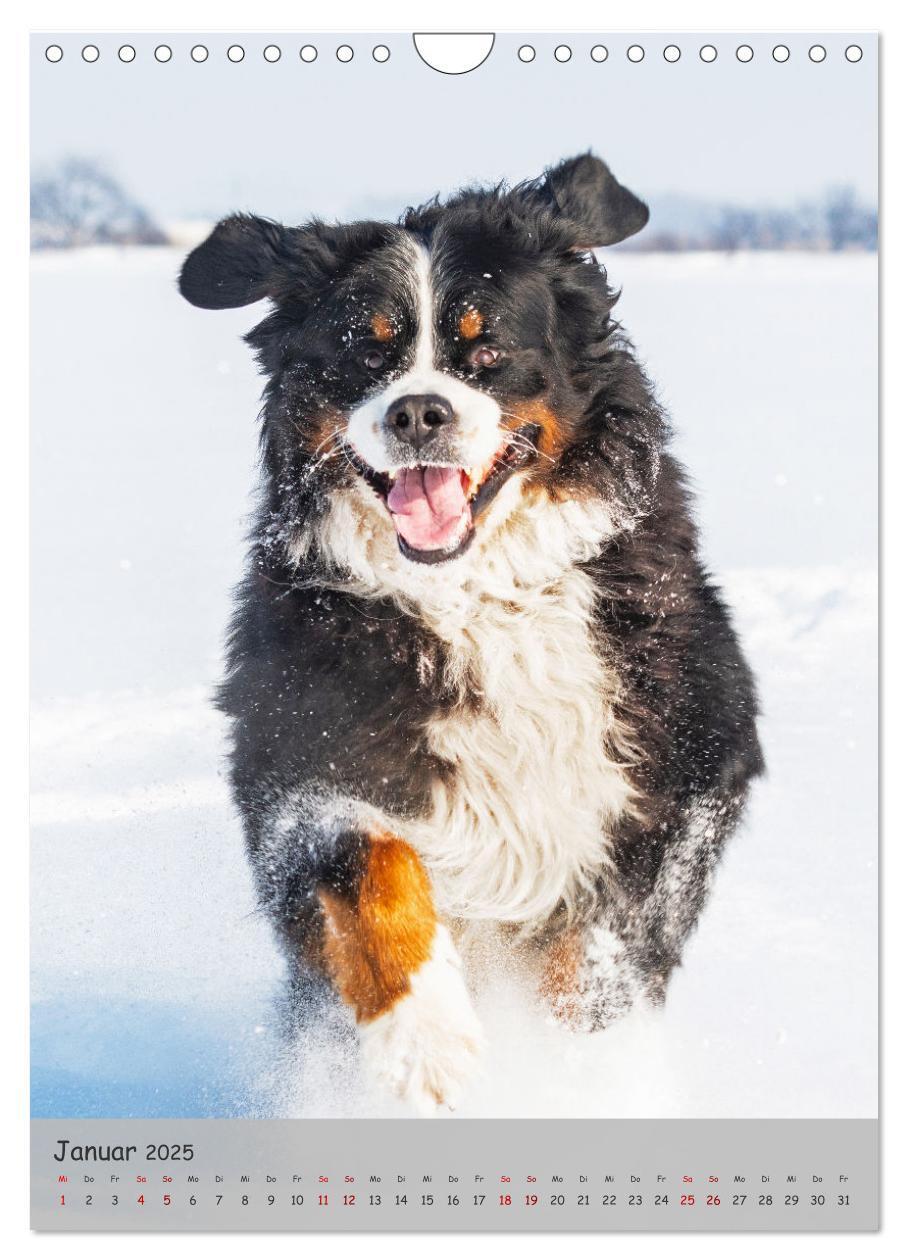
[479, 682]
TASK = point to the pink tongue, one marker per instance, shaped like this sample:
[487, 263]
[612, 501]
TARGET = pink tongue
[428, 507]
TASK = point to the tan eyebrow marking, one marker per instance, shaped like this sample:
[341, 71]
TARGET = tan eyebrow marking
[381, 327]
[471, 323]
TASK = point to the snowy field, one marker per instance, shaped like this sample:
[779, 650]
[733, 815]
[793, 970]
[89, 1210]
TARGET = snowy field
[154, 979]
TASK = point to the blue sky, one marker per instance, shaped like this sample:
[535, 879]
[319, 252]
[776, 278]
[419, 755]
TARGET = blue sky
[291, 140]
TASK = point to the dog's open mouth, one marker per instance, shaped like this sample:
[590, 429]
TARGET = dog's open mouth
[434, 507]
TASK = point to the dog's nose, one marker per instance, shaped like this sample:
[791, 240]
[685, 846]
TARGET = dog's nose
[416, 418]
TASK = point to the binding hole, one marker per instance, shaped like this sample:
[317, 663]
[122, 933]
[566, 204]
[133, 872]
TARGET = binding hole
[780, 53]
[635, 53]
[127, 53]
[90, 53]
[53, 53]
[271, 53]
[599, 53]
[162, 53]
[308, 53]
[817, 53]
[708, 53]
[744, 53]
[853, 53]
[381, 52]
[236, 53]
[562, 53]
[345, 53]
[199, 53]
[672, 53]
[453, 52]
[526, 52]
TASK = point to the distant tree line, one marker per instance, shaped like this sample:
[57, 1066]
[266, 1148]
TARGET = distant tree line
[80, 204]
[837, 222]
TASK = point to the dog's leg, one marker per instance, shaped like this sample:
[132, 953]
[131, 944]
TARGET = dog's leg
[683, 882]
[596, 973]
[591, 977]
[395, 964]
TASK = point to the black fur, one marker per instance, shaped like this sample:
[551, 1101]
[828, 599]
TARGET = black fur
[324, 687]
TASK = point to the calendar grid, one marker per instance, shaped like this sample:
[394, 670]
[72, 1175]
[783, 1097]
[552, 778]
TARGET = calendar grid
[401, 1175]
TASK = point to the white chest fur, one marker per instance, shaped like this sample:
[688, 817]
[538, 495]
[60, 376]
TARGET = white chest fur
[537, 754]
[537, 785]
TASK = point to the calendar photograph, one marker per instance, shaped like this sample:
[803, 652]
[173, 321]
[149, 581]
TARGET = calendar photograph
[454, 582]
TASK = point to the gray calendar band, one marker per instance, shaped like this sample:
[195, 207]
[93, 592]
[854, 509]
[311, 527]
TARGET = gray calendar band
[452, 1175]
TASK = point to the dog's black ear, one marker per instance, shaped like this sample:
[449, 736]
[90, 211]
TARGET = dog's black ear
[585, 192]
[237, 264]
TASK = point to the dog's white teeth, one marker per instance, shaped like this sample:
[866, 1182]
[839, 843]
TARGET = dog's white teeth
[477, 476]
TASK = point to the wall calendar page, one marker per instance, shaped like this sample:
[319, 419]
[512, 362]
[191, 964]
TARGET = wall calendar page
[454, 631]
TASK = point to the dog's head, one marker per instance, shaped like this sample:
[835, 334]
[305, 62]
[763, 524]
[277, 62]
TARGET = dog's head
[425, 364]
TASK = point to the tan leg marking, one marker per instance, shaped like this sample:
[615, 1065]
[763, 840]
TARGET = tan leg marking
[560, 983]
[374, 944]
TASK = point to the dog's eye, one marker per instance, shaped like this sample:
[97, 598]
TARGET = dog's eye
[374, 360]
[484, 356]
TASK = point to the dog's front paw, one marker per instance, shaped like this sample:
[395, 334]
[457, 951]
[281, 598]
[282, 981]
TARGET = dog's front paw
[427, 1046]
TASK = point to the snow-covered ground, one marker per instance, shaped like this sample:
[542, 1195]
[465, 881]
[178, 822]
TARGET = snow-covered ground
[154, 977]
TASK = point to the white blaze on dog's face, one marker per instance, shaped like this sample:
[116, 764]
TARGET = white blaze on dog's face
[433, 435]
[475, 434]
